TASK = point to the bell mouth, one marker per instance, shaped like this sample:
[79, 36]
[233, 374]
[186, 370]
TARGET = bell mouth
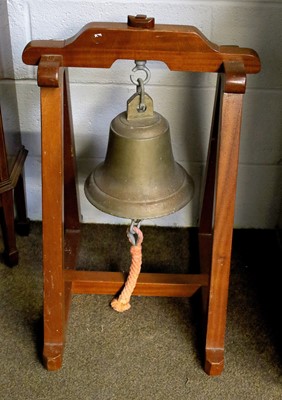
[140, 207]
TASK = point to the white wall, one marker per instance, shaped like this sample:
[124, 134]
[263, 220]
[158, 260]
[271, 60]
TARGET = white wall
[184, 99]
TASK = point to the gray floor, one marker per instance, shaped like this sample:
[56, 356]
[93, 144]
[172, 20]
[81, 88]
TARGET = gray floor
[153, 351]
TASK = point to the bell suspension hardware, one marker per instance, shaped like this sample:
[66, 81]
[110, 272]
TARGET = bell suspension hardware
[140, 83]
[140, 66]
[131, 232]
[139, 105]
[140, 91]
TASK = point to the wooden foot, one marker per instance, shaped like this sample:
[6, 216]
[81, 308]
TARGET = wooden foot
[11, 257]
[23, 227]
[214, 362]
[53, 356]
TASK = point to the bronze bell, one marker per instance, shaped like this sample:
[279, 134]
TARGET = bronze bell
[139, 178]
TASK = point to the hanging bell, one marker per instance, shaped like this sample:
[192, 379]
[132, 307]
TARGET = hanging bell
[139, 178]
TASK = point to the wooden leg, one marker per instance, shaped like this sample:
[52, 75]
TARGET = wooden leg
[206, 218]
[228, 151]
[11, 254]
[22, 222]
[52, 223]
[71, 207]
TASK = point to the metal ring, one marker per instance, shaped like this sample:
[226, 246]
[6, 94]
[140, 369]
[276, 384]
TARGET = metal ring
[140, 66]
[140, 89]
[131, 233]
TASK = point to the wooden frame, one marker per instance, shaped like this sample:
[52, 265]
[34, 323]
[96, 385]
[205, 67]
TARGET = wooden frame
[12, 192]
[182, 48]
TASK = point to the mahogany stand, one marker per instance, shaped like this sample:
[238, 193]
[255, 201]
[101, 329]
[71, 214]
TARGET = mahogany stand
[12, 192]
[182, 48]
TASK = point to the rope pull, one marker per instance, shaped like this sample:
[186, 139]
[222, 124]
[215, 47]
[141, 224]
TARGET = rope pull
[122, 303]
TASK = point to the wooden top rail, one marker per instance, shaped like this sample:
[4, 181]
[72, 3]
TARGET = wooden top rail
[182, 48]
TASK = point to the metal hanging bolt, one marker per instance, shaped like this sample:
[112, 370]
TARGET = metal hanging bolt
[140, 66]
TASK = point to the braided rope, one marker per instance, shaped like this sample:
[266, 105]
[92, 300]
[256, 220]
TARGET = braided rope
[122, 302]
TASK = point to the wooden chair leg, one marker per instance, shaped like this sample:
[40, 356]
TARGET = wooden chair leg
[22, 222]
[227, 165]
[11, 255]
